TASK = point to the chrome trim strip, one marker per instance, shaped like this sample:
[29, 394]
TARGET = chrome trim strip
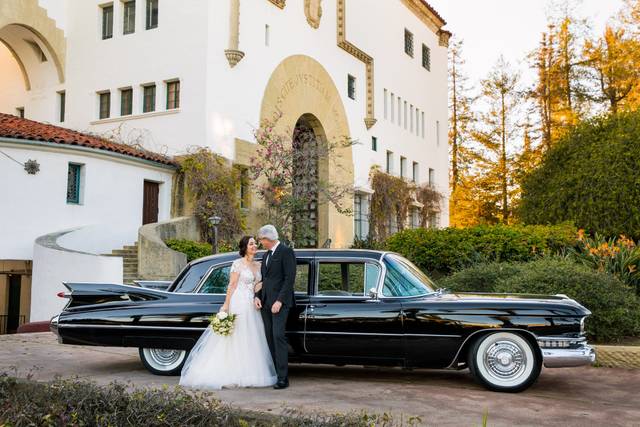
[453, 361]
[373, 334]
[90, 325]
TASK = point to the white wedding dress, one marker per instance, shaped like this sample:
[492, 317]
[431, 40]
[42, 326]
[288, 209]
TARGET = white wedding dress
[241, 359]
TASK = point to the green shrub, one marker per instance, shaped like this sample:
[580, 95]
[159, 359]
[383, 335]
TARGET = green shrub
[194, 250]
[615, 307]
[78, 403]
[591, 178]
[479, 278]
[442, 251]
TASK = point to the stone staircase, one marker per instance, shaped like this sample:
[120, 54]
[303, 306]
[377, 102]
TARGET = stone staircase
[129, 255]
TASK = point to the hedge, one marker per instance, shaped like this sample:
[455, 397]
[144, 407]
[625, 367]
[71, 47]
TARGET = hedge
[615, 307]
[591, 177]
[442, 251]
[79, 402]
[194, 250]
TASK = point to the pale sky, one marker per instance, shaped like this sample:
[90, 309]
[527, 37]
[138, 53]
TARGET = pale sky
[510, 27]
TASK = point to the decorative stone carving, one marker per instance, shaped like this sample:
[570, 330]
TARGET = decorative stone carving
[233, 53]
[313, 12]
[233, 56]
[280, 3]
[444, 36]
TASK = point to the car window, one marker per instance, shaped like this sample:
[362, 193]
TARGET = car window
[191, 277]
[346, 278]
[403, 279]
[217, 281]
[302, 278]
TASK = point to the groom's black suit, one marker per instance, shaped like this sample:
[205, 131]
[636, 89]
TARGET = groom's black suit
[278, 278]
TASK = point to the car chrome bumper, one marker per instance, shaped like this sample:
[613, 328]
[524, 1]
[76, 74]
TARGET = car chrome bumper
[53, 326]
[568, 357]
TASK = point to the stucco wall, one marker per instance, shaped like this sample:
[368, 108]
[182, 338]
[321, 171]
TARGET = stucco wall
[111, 197]
[53, 265]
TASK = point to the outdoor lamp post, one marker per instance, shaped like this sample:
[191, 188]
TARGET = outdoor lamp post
[215, 221]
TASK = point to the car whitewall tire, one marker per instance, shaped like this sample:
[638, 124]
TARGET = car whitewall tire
[163, 362]
[504, 361]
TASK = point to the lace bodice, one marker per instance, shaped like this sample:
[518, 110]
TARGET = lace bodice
[248, 276]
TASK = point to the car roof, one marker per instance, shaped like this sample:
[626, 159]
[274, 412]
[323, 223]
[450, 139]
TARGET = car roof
[302, 253]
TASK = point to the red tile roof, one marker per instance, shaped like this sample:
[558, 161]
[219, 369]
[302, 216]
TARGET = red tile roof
[17, 128]
[435, 12]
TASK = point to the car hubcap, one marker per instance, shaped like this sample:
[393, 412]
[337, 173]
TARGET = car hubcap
[505, 360]
[164, 360]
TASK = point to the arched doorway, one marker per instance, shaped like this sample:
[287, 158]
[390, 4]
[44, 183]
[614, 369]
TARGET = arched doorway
[32, 52]
[308, 143]
[303, 98]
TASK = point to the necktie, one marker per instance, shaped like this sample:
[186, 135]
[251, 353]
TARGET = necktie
[269, 253]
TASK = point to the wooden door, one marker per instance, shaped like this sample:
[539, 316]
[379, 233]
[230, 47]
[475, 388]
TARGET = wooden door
[150, 202]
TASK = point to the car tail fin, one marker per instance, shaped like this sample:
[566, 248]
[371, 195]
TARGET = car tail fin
[83, 294]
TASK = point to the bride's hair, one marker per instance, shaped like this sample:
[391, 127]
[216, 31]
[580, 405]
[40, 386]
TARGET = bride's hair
[244, 242]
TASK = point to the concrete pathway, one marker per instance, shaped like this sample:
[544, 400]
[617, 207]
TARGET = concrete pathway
[561, 397]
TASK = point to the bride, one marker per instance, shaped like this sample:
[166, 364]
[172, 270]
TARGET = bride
[241, 359]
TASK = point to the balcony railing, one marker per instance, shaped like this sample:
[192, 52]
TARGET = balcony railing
[14, 322]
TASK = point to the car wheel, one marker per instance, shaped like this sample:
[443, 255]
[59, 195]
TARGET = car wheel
[504, 361]
[163, 362]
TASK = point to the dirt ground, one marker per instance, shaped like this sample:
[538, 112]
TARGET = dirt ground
[561, 397]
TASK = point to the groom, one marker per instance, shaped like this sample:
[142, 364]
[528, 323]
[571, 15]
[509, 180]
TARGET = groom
[275, 299]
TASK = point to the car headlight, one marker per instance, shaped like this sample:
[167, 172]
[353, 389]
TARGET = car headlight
[582, 321]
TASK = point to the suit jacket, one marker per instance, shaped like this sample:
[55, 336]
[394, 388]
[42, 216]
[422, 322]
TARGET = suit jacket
[278, 277]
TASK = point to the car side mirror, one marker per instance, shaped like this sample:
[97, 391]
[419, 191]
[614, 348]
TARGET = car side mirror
[373, 293]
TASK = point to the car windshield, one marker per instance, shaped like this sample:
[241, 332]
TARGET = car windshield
[403, 279]
[190, 277]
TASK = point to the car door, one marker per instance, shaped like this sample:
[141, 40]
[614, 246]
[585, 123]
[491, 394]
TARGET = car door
[431, 334]
[295, 322]
[343, 320]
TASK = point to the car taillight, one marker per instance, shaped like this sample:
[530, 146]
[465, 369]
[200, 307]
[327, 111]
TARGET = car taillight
[63, 295]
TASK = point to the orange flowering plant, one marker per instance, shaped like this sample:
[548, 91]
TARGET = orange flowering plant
[619, 256]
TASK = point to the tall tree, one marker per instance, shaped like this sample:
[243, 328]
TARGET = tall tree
[615, 60]
[500, 91]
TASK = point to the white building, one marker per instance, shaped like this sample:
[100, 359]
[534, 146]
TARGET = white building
[175, 74]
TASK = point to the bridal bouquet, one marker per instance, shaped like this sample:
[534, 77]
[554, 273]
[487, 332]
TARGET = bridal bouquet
[222, 323]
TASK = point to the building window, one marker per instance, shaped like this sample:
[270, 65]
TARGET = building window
[152, 14]
[389, 167]
[20, 112]
[426, 57]
[408, 42]
[267, 35]
[438, 133]
[422, 125]
[434, 220]
[173, 95]
[105, 105]
[392, 224]
[62, 98]
[405, 115]
[73, 183]
[374, 143]
[129, 17]
[126, 102]
[432, 177]
[399, 112]
[403, 167]
[351, 86]
[411, 118]
[243, 188]
[414, 217]
[148, 98]
[361, 216]
[415, 175]
[393, 107]
[386, 96]
[107, 22]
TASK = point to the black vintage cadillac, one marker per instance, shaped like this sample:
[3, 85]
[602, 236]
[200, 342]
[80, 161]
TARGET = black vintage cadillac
[353, 307]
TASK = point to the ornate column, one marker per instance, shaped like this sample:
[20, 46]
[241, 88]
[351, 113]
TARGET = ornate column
[233, 53]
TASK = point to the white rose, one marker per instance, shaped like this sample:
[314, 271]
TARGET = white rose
[222, 315]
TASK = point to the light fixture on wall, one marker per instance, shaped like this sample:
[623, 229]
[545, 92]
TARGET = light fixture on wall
[32, 167]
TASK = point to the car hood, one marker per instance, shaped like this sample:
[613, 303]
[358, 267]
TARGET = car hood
[483, 302]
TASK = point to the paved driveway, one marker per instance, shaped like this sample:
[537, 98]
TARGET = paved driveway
[561, 397]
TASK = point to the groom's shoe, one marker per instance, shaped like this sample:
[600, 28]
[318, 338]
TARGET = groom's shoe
[281, 384]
